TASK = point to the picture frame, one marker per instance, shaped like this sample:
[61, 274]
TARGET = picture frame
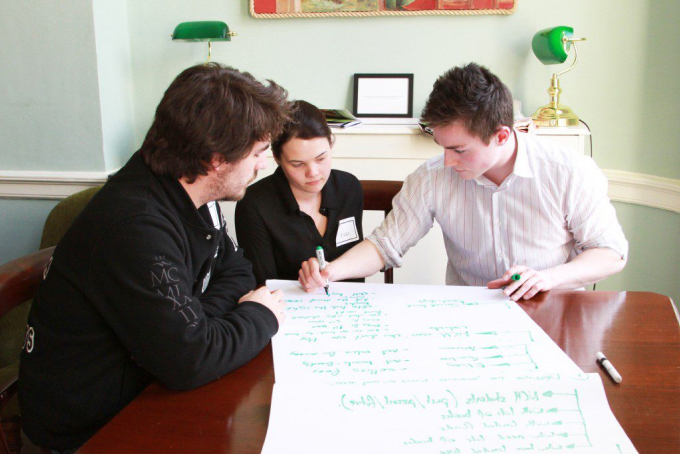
[383, 95]
[286, 9]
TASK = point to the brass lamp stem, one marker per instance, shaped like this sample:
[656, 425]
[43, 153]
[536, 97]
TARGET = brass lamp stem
[209, 51]
[554, 91]
[573, 42]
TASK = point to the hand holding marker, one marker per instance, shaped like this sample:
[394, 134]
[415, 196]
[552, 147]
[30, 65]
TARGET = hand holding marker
[514, 278]
[322, 264]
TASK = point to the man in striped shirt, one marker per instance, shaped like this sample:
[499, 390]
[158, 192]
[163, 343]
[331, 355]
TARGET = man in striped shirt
[507, 202]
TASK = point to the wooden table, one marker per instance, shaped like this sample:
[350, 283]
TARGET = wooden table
[638, 331]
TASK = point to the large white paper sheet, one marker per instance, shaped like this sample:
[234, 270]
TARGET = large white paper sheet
[541, 414]
[375, 332]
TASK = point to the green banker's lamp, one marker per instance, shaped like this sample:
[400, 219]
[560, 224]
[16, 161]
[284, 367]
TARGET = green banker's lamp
[551, 46]
[202, 31]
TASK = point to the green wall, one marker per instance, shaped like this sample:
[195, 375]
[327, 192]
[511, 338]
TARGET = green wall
[49, 111]
[65, 85]
[654, 261]
[21, 226]
[115, 80]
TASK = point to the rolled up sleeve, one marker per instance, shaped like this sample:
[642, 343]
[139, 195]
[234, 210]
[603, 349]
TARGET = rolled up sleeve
[591, 215]
[412, 216]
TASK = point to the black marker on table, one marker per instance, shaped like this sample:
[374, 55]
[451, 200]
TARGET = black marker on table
[613, 373]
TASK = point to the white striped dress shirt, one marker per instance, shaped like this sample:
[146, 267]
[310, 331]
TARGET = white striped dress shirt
[552, 207]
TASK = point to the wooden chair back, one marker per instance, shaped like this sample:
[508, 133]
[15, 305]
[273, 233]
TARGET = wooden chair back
[378, 195]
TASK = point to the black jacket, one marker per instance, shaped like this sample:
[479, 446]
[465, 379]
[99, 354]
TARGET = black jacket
[142, 286]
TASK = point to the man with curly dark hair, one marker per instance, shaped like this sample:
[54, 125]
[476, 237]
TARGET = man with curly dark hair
[147, 284]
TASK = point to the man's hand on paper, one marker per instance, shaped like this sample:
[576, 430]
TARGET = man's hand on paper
[311, 277]
[271, 300]
[531, 282]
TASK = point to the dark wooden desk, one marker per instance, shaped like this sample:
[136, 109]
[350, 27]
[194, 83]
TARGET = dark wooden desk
[639, 332]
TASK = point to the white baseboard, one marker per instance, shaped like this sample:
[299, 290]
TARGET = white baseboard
[627, 187]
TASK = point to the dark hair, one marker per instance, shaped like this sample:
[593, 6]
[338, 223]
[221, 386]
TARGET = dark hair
[212, 110]
[307, 122]
[472, 95]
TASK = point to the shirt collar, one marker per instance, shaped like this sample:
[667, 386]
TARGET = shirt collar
[329, 193]
[329, 199]
[285, 192]
[521, 167]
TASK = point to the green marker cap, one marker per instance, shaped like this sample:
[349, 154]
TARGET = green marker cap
[516, 277]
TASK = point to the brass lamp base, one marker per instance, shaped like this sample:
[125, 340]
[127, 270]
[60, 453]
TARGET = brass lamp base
[555, 115]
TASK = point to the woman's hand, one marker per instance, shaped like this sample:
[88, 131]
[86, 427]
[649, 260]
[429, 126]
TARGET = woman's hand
[311, 277]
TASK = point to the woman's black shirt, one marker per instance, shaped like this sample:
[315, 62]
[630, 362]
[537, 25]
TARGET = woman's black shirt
[277, 237]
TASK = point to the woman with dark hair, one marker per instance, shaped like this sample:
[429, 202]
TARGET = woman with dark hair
[304, 204]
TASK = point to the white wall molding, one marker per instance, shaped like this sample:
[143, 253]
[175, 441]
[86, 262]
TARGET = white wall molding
[627, 187]
[641, 189]
[47, 185]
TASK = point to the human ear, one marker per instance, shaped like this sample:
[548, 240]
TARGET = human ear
[216, 162]
[503, 135]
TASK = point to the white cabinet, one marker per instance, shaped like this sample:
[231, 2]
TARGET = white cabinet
[574, 137]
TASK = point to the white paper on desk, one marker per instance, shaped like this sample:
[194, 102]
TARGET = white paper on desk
[374, 332]
[559, 414]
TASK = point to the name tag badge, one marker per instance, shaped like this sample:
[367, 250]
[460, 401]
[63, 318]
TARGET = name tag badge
[347, 232]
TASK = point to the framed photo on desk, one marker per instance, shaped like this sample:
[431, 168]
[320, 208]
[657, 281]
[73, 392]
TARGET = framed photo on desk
[383, 95]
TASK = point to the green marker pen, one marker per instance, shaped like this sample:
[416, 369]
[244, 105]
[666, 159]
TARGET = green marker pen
[322, 264]
[516, 277]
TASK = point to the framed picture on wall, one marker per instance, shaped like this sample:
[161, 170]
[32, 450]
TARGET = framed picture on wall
[383, 95]
[286, 9]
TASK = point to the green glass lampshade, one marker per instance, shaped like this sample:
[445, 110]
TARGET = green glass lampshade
[549, 45]
[202, 31]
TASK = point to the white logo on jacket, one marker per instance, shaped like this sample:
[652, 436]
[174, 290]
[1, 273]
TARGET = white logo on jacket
[29, 339]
